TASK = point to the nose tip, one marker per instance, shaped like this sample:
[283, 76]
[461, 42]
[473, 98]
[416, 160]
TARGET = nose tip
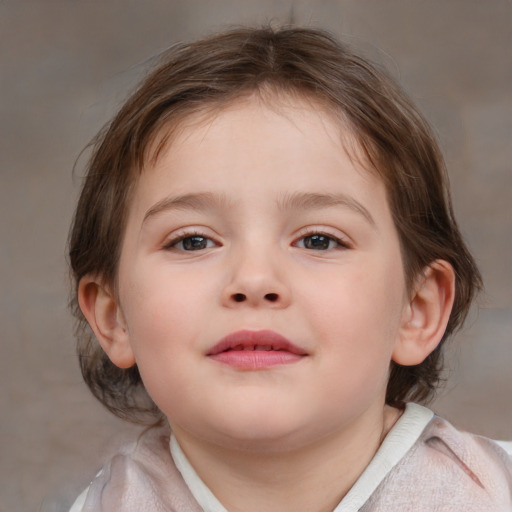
[256, 277]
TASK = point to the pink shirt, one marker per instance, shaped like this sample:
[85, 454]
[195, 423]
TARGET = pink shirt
[423, 465]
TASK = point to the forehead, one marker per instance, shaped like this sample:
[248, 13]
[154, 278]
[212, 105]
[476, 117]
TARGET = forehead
[296, 106]
[260, 136]
[190, 131]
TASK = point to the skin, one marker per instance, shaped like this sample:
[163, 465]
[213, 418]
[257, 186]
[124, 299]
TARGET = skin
[246, 184]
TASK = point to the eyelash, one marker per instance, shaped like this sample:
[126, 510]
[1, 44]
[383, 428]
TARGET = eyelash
[180, 238]
[340, 243]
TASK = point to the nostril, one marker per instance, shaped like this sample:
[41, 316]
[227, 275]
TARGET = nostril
[272, 297]
[239, 297]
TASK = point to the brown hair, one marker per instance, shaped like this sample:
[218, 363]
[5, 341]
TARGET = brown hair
[396, 140]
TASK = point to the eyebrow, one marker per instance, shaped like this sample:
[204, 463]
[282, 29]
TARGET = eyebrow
[202, 201]
[315, 201]
[205, 201]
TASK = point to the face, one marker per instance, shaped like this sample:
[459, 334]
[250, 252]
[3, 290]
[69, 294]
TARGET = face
[261, 283]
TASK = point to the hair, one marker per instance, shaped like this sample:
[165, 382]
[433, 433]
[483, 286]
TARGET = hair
[397, 143]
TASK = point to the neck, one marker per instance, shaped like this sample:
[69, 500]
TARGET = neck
[312, 478]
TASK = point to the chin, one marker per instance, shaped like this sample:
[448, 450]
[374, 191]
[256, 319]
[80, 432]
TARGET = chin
[264, 433]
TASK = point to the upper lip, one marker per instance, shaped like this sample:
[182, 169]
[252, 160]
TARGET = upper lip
[255, 340]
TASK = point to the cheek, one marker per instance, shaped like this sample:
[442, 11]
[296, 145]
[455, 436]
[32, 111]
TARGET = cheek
[158, 296]
[165, 315]
[359, 317]
[154, 317]
[357, 298]
[161, 339]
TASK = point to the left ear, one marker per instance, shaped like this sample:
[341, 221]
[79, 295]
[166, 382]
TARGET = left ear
[426, 315]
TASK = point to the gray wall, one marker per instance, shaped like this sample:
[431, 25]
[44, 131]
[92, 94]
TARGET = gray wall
[64, 68]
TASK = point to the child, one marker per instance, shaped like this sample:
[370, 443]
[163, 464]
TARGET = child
[265, 251]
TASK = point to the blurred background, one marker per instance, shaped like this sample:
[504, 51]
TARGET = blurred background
[67, 65]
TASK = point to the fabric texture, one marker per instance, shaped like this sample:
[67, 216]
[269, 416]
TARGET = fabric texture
[447, 471]
[435, 469]
[141, 478]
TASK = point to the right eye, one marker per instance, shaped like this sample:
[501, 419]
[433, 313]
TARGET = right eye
[319, 242]
[191, 243]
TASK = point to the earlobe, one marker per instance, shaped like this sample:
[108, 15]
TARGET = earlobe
[102, 311]
[426, 315]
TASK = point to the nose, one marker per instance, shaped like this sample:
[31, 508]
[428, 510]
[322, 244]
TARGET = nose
[256, 281]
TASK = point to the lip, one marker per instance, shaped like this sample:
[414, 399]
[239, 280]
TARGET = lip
[255, 350]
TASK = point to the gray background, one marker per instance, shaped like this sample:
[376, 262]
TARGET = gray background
[65, 66]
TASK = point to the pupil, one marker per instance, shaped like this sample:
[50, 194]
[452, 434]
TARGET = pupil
[193, 243]
[317, 242]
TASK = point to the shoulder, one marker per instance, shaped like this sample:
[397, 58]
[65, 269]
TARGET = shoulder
[443, 469]
[141, 475]
[482, 459]
[451, 470]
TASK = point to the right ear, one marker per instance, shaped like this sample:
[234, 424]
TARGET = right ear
[103, 313]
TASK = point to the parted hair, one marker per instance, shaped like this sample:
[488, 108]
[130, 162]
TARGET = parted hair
[396, 141]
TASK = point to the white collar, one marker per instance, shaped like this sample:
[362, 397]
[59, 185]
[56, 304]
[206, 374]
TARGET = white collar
[201, 493]
[397, 443]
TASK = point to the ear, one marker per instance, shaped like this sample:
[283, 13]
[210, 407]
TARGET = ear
[102, 311]
[426, 315]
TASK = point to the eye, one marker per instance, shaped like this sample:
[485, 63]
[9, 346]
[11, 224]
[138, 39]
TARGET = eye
[320, 242]
[191, 243]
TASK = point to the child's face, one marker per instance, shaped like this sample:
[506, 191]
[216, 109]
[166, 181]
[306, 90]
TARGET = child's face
[252, 225]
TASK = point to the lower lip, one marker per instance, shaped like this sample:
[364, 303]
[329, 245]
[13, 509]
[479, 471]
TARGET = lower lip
[256, 359]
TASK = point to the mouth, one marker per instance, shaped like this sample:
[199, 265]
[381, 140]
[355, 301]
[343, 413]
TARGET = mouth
[255, 350]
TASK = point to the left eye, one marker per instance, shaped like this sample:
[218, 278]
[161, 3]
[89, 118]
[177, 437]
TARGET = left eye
[193, 243]
[318, 242]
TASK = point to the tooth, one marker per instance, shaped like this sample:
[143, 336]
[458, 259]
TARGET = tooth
[263, 347]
